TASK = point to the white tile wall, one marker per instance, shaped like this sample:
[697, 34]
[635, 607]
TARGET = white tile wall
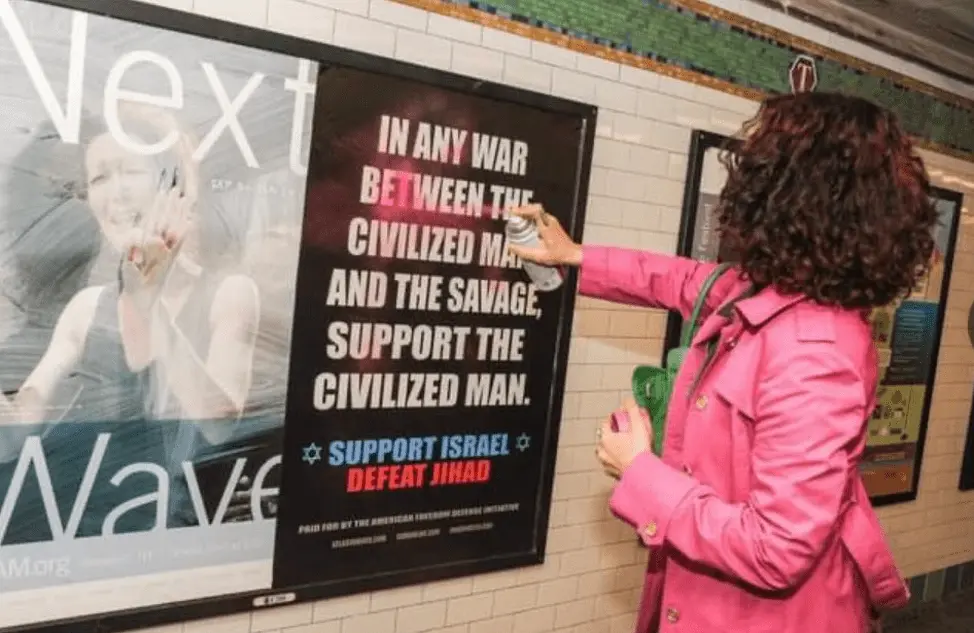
[301, 19]
[249, 12]
[592, 575]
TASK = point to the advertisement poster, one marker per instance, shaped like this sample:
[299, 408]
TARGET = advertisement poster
[422, 394]
[705, 244]
[216, 397]
[151, 194]
[698, 237]
[907, 335]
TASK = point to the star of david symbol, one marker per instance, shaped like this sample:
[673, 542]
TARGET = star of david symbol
[312, 454]
[523, 442]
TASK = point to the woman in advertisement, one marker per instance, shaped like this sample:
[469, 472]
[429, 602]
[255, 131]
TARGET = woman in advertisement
[161, 358]
[756, 516]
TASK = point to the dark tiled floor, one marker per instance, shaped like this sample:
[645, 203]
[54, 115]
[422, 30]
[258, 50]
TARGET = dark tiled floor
[956, 616]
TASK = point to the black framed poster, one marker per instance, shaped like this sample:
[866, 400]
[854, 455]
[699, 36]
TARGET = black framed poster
[423, 396]
[908, 337]
[907, 334]
[698, 227]
[967, 466]
[223, 347]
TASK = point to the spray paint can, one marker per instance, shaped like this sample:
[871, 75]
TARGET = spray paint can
[524, 232]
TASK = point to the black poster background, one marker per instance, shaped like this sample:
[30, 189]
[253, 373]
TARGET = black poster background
[349, 107]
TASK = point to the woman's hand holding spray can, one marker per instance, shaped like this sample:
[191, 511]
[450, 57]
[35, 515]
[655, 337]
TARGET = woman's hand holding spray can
[523, 232]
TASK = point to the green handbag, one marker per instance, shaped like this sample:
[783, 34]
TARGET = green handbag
[652, 386]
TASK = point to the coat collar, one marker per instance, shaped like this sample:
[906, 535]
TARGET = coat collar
[755, 310]
[764, 305]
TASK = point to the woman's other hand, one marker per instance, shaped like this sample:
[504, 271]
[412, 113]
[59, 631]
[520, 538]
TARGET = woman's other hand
[617, 449]
[556, 248]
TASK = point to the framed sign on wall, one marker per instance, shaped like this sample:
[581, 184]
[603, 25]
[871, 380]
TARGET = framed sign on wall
[262, 341]
[698, 237]
[907, 334]
[967, 466]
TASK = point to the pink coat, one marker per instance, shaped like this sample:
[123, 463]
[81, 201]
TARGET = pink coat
[756, 517]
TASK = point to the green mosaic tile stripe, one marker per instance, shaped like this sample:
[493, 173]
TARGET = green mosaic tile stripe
[674, 35]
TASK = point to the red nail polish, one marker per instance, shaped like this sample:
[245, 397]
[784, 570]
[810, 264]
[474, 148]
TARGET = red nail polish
[620, 421]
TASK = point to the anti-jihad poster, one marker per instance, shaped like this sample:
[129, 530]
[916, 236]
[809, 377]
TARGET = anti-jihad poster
[182, 433]
[423, 359]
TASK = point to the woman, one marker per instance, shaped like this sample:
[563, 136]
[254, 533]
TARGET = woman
[182, 312]
[176, 308]
[756, 516]
[160, 358]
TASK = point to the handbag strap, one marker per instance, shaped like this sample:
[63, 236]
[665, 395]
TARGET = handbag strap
[691, 325]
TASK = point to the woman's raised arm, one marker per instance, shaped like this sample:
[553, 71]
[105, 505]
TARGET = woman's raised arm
[620, 275]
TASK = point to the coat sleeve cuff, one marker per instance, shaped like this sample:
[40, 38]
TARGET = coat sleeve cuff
[593, 271]
[648, 495]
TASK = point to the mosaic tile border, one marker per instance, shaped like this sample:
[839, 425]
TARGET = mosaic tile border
[851, 34]
[819, 51]
[490, 17]
[939, 120]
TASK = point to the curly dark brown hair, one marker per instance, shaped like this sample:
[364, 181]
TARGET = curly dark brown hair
[826, 197]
